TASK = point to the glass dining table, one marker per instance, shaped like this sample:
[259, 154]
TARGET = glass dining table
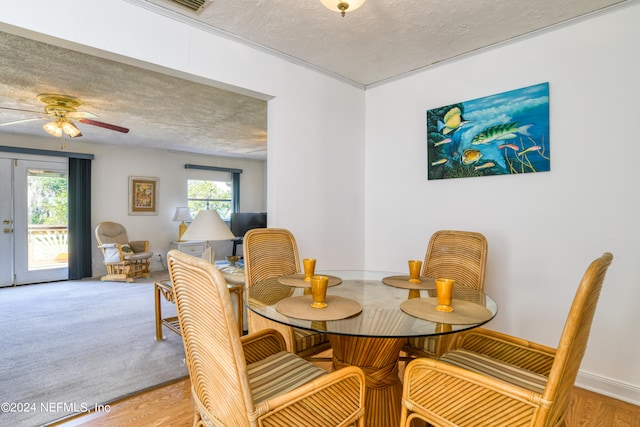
[370, 315]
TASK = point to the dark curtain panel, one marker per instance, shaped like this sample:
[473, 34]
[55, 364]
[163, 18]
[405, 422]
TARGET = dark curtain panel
[80, 237]
[235, 195]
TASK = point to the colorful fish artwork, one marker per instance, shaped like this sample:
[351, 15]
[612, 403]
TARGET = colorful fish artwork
[500, 134]
[484, 166]
[471, 156]
[534, 148]
[444, 141]
[451, 122]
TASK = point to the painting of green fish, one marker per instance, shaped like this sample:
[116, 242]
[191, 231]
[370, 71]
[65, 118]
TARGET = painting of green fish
[502, 134]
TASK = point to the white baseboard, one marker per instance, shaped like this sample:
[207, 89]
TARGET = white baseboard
[608, 387]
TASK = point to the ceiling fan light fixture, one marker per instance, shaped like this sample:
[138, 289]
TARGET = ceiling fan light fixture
[61, 109]
[70, 129]
[61, 126]
[53, 128]
[342, 5]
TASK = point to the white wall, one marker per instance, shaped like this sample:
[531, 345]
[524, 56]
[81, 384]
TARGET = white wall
[111, 169]
[544, 228]
[315, 167]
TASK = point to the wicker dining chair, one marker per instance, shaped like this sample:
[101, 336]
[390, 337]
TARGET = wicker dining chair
[493, 379]
[252, 380]
[268, 254]
[457, 255]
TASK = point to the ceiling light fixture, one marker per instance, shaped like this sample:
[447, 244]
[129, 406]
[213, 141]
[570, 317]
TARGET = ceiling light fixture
[70, 129]
[61, 125]
[53, 128]
[342, 6]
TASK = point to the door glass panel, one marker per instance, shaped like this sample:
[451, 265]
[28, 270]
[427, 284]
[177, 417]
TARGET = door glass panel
[47, 219]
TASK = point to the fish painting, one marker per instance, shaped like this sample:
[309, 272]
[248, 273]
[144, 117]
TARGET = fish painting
[484, 166]
[452, 121]
[512, 146]
[471, 156]
[504, 133]
[444, 141]
[534, 148]
[500, 133]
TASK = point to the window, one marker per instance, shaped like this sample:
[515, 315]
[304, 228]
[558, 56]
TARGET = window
[212, 187]
[208, 195]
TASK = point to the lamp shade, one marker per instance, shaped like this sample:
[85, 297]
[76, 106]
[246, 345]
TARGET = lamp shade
[207, 225]
[182, 214]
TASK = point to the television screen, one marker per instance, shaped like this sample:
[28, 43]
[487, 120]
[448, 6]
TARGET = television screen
[241, 222]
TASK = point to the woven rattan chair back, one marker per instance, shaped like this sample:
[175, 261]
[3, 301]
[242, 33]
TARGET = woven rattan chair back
[574, 338]
[268, 254]
[457, 255]
[213, 350]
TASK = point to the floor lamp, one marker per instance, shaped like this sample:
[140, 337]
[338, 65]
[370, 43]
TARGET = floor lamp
[208, 226]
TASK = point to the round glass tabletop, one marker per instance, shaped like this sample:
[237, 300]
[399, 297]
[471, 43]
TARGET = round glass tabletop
[381, 314]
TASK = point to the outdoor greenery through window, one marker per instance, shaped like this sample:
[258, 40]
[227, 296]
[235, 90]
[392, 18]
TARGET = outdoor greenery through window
[208, 195]
[47, 198]
[47, 217]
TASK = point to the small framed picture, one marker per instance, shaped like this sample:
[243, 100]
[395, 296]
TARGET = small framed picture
[143, 195]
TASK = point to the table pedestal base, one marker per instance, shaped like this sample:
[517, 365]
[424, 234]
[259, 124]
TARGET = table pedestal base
[378, 358]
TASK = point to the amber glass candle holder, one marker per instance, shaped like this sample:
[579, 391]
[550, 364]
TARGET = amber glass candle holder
[309, 265]
[444, 290]
[319, 291]
[415, 266]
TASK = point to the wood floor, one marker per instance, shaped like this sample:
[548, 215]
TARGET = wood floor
[172, 406]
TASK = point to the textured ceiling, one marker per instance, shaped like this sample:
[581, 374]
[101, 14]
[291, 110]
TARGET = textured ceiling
[160, 111]
[381, 40]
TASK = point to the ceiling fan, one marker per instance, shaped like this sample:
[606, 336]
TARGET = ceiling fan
[61, 110]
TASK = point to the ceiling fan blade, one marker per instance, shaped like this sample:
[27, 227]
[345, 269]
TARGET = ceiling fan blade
[20, 109]
[104, 125]
[20, 121]
[76, 115]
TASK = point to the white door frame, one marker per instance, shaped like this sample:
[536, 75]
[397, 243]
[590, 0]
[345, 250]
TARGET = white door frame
[17, 260]
[6, 222]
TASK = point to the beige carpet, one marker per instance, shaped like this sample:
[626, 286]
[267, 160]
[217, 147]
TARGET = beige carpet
[67, 346]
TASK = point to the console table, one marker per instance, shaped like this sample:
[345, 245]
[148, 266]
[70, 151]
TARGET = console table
[191, 247]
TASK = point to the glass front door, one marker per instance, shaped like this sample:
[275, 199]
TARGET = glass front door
[38, 236]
